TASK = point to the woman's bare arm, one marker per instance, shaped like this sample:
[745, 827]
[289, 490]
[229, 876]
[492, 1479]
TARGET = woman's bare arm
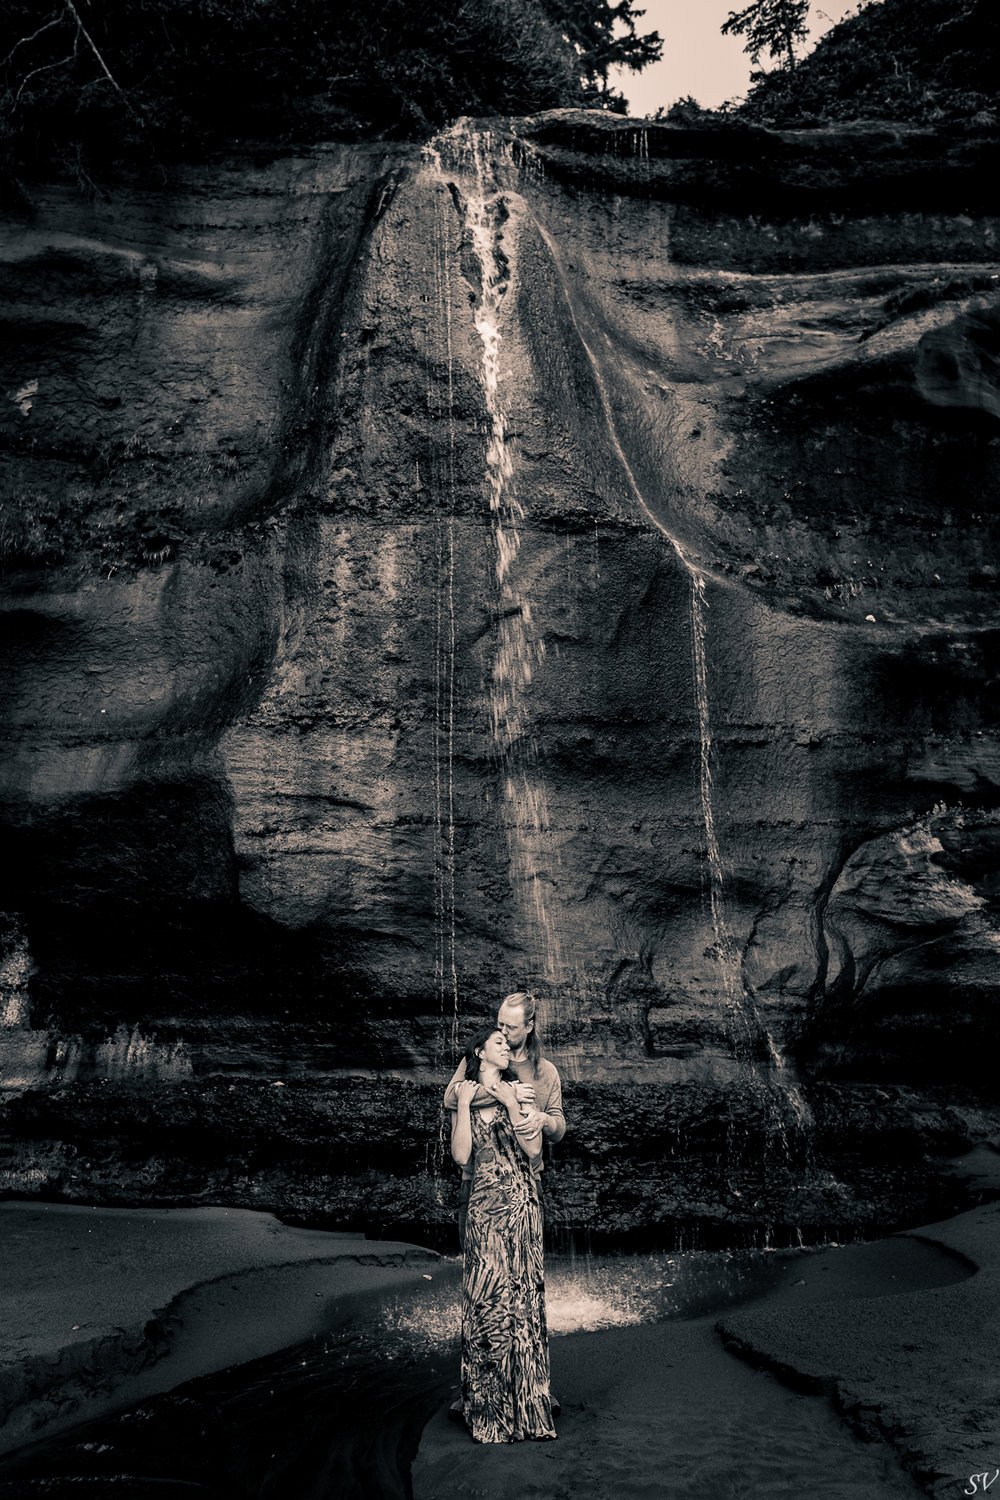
[461, 1124]
[529, 1137]
[480, 1099]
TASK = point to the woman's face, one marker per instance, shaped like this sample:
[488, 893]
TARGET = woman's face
[495, 1050]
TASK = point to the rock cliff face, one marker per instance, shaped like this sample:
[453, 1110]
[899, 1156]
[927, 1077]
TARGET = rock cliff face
[561, 556]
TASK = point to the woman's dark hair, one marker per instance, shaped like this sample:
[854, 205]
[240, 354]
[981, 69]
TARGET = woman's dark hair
[526, 1002]
[472, 1058]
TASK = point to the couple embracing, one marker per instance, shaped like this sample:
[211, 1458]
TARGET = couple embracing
[505, 1101]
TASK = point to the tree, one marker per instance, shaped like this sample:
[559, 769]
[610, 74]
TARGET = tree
[772, 24]
[603, 33]
[107, 81]
[925, 62]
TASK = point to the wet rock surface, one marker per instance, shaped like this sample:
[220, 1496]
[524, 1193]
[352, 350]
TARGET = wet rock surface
[560, 556]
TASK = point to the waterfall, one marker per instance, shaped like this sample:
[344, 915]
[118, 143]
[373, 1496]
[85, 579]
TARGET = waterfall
[445, 962]
[748, 1033]
[785, 1109]
[742, 1030]
[484, 208]
[519, 650]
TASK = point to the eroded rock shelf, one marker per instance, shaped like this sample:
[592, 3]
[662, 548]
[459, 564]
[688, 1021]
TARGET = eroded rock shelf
[560, 555]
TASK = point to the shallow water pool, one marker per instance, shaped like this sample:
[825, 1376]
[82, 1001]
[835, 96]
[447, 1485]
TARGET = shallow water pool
[341, 1417]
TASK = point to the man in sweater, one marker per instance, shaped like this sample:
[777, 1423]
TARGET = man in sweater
[538, 1087]
[540, 1093]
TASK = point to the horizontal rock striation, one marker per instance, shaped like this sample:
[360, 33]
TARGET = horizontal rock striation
[560, 555]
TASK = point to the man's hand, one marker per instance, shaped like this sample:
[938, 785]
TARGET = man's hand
[530, 1123]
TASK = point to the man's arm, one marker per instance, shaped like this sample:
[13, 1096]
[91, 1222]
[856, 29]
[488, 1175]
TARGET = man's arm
[553, 1119]
[480, 1098]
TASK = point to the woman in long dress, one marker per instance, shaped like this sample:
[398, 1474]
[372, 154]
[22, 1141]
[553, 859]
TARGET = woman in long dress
[505, 1351]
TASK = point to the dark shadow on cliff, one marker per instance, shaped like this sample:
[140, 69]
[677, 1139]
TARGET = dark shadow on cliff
[132, 916]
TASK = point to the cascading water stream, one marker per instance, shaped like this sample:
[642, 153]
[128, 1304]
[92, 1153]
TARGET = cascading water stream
[446, 968]
[519, 650]
[439, 360]
[786, 1112]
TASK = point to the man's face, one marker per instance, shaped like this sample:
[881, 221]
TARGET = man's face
[510, 1019]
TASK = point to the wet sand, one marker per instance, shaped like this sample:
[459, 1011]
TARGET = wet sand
[661, 1412]
[893, 1342]
[871, 1372]
[921, 1371]
[105, 1307]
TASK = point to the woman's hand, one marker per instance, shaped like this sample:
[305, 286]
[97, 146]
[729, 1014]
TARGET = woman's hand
[465, 1090]
[506, 1095]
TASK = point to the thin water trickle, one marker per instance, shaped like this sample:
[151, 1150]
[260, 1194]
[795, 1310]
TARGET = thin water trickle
[756, 1051]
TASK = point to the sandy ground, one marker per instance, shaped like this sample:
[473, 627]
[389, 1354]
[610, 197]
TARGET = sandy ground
[896, 1343]
[921, 1370]
[104, 1307]
[861, 1348]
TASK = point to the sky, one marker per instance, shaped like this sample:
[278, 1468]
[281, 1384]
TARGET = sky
[697, 59]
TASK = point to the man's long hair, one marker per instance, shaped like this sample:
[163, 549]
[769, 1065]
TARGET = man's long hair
[533, 1047]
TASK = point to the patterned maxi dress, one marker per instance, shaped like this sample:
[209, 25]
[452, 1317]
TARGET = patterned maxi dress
[505, 1350]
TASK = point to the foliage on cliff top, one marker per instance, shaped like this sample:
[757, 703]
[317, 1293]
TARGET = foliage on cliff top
[775, 25]
[923, 62]
[104, 80]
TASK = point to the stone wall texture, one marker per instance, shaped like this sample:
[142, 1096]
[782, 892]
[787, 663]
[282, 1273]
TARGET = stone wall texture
[560, 555]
